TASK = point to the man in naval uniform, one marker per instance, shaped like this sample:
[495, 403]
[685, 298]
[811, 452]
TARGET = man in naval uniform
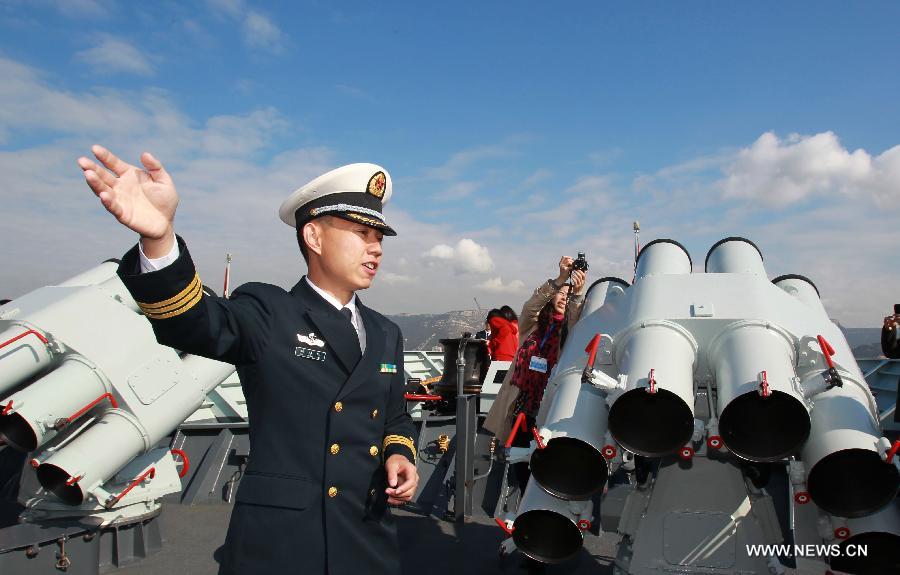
[331, 444]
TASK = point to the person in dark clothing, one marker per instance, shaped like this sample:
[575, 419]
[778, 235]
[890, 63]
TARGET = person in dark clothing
[331, 443]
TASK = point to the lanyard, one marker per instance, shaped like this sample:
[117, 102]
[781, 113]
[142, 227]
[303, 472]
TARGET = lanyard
[547, 334]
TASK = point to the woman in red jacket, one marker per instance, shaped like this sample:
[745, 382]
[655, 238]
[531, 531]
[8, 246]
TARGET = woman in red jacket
[504, 334]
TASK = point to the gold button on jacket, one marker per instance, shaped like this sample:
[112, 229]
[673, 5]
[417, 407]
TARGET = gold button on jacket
[335, 449]
[338, 406]
[374, 413]
[332, 492]
[373, 451]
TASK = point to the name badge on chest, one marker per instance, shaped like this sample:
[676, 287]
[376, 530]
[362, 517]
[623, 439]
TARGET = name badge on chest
[538, 364]
[314, 354]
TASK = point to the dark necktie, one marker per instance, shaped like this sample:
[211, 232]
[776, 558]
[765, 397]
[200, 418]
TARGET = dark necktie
[345, 311]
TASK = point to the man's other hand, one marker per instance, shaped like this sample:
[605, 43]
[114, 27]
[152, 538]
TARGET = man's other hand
[402, 478]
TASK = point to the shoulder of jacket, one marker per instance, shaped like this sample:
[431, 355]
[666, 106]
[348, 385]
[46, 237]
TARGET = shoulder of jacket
[260, 289]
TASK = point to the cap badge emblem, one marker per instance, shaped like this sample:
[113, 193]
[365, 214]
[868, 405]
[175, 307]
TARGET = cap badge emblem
[376, 185]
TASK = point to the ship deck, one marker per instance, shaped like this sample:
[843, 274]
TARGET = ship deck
[193, 536]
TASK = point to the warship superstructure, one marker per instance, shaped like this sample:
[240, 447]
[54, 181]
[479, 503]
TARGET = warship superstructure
[692, 418]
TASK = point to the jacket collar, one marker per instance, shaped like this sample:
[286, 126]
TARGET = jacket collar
[336, 330]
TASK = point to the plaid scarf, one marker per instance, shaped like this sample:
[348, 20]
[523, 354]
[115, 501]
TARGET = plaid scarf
[532, 383]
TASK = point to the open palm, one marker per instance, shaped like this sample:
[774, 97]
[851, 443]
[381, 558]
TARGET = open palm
[144, 200]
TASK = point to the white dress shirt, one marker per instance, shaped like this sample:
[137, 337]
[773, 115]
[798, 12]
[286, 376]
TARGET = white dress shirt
[154, 264]
[356, 321]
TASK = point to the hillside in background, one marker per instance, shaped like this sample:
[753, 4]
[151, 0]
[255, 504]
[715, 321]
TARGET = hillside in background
[424, 332]
[864, 341]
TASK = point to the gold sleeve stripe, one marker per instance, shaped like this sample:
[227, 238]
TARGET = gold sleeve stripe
[179, 296]
[185, 307]
[400, 440]
[181, 306]
[198, 288]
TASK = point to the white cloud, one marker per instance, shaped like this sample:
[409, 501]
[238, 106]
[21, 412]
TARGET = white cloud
[496, 285]
[395, 279]
[459, 161]
[231, 8]
[115, 55]
[83, 8]
[260, 32]
[781, 172]
[441, 252]
[466, 257]
[538, 176]
[458, 191]
[590, 185]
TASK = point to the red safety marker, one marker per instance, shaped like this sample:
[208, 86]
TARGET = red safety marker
[893, 451]
[591, 349]
[43, 339]
[421, 397]
[538, 438]
[714, 442]
[827, 351]
[584, 524]
[73, 480]
[504, 527]
[150, 473]
[842, 533]
[91, 405]
[802, 498]
[35, 463]
[764, 385]
[608, 451]
[185, 462]
[686, 453]
[520, 419]
[7, 409]
[651, 382]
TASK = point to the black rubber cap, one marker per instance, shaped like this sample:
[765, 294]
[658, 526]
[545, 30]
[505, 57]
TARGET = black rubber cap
[667, 241]
[797, 277]
[610, 279]
[729, 239]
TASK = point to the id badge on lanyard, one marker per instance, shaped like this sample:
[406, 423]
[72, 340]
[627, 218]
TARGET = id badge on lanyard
[538, 363]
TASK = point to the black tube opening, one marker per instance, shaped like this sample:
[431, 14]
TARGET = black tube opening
[666, 241]
[853, 482]
[17, 432]
[881, 554]
[569, 468]
[764, 428]
[546, 536]
[651, 424]
[725, 240]
[53, 479]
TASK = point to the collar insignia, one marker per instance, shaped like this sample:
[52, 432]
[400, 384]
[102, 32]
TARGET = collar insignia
[311, 339]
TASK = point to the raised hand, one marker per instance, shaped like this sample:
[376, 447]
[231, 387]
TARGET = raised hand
[565, 268]
[577, 279]
[144, 200]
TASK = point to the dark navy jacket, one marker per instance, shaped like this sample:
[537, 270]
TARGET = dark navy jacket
[322, 418]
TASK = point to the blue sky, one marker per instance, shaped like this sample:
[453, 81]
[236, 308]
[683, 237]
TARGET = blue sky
[514, 132]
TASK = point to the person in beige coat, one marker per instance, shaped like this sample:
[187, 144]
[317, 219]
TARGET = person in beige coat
[554, 295]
